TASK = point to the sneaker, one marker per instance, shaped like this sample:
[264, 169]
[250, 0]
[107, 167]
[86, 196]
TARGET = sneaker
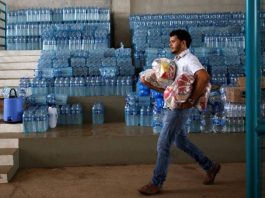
[211, 174]
[149, 189]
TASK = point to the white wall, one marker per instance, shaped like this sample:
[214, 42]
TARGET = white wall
[158, 6]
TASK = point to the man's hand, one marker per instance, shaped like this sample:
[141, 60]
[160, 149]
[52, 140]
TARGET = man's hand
[161, 90]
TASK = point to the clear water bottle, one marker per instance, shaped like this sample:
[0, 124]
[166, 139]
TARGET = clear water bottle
[112, 86]
[44, 121]
[79, 114]
[149, 114]
[88, 86]
[68, 117]
[130, 116]
[128, 88]
[26, 122]
[157, 123]
[98, 86]
[135, 115]
[66, 86]
[93, 84]
[123, 86]
[143, 116]
[98, 113]
[81, 86]
[118, 87]
[38, 118]
[62, 115]
[126, 113]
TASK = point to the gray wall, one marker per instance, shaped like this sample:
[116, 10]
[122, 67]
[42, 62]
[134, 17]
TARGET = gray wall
[121, 9]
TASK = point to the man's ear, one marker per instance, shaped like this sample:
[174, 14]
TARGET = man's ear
[184, 44]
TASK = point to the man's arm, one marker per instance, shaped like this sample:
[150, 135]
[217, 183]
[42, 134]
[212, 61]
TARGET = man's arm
[161, 90]
[202, 79]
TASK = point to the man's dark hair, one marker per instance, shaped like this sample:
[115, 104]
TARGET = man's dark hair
[182, 35]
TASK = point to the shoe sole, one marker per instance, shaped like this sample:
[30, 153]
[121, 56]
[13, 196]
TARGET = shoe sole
[145, 193]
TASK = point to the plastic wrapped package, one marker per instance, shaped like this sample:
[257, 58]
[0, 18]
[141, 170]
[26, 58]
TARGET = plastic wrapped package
[179, 91]
[150, 77]
[162, 73]
[165, 69]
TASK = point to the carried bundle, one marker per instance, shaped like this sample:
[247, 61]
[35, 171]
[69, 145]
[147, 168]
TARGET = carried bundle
[180, 90]
[162, 73]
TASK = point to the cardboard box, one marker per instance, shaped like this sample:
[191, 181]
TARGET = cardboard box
[235, 94]
[241, 82]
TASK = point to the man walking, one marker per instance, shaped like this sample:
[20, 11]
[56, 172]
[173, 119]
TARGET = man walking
[174, 120]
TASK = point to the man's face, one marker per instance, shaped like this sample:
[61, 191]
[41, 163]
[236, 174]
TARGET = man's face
[176, 45]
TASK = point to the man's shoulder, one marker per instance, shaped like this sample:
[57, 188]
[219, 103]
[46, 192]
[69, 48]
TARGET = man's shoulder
[191, 57]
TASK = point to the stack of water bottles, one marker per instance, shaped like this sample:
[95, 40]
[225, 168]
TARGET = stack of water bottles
[97, 113]
[144, 108]
[26, 26]
[152, 53]
[219, 116]
[25, 87]
[50, 99]
[158, 111]
[105, 71]
[35, 119]
[218, 43]
[81, 86]
[70, 114]
[76, 36]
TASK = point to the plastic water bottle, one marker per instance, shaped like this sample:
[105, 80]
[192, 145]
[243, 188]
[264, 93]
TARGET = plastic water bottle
[112, 86]
[128, 88]
[62, 115]
[44, 120]
[123, 86]
[38, 120]
[81, 86]
[157, 121]
[98, 113]
[135, 114]
[79, 114]
[68, 117]
[126, 114]
[93, 84]
[66, 86]
[118, 87]
[143, 116]
[98, 86]
[149, 114]
[26, 122]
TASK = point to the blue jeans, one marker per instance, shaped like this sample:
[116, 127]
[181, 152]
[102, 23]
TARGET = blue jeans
[174, 130]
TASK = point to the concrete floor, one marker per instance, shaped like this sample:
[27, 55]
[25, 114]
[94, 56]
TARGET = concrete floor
[184, 181]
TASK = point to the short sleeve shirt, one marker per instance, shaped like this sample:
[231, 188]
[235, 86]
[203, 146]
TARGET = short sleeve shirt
[187, 63]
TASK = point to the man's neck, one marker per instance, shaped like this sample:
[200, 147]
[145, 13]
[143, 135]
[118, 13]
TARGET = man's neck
[180, 53]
